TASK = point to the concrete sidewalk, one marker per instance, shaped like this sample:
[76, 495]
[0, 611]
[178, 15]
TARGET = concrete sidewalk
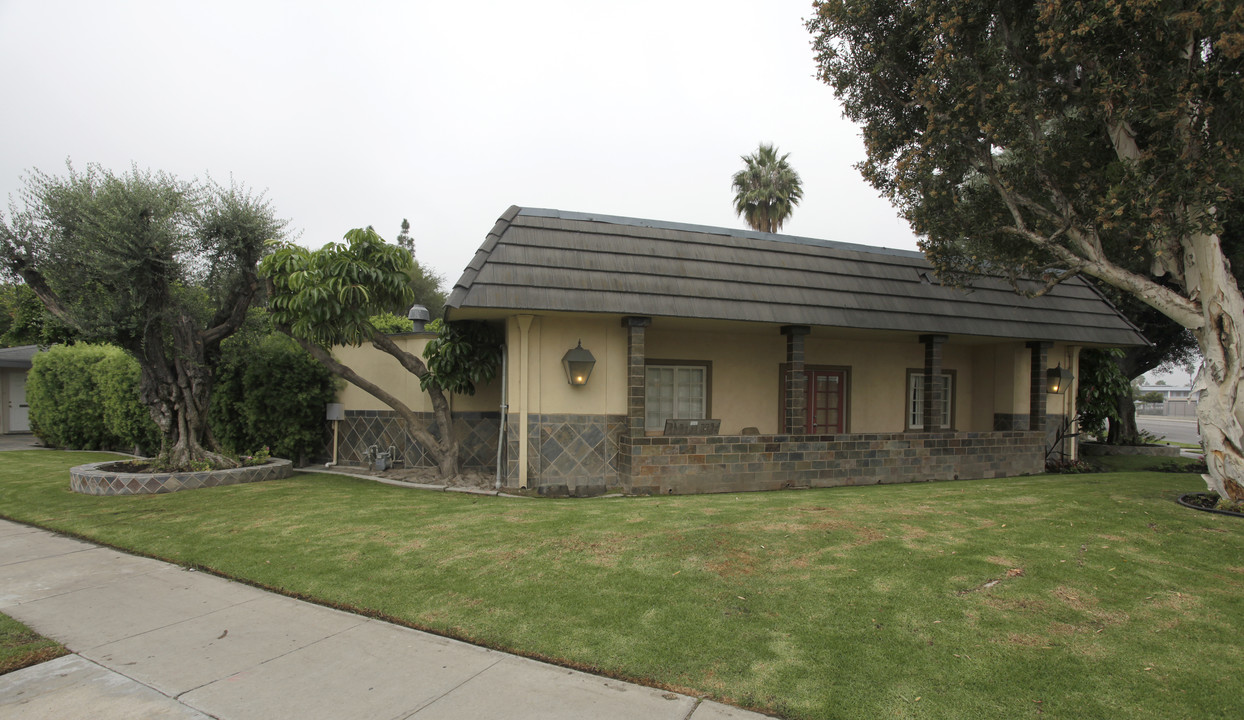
[153, 640]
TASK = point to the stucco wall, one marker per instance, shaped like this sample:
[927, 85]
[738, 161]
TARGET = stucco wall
[382, 369]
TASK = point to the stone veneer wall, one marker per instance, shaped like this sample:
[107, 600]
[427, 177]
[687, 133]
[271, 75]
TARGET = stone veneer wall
[95, 479]
[769, 462]
[476, 431]
[1017, 421]
[580, 452]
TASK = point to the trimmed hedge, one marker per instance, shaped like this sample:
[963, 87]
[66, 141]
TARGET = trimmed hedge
[270, 392]
[86, 397]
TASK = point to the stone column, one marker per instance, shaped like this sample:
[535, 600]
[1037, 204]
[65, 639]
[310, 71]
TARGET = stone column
[795, 386]
[1036, 402]
[934, 400]
[635, 374]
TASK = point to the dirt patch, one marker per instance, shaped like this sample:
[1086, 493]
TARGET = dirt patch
[733, 565]
[1027, 640]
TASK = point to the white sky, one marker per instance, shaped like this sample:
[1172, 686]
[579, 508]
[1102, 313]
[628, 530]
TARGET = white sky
[362, 113]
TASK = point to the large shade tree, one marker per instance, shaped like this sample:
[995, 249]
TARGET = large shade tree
[1045, 139]
[334, 296]
[162, 268]
[766, 190]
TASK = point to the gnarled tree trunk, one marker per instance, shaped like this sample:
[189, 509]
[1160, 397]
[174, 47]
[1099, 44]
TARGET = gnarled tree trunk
[1220, 409]
[178, 391]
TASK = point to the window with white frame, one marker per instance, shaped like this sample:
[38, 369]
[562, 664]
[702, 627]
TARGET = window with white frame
[915, 399]
[675, 392]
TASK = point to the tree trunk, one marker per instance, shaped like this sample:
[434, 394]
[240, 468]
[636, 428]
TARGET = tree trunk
[177, 391]
[444, 450]
[1123, 431]
[1221, 407]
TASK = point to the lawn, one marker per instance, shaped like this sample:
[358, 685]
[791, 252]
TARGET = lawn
[1072, 596]
[22, 647]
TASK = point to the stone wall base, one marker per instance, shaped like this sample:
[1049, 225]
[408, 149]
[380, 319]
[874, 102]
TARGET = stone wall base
[770, 462]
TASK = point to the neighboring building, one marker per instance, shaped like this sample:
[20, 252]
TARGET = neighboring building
[1177, 400]
[1168, 392]
[814, 363]
[14, 364]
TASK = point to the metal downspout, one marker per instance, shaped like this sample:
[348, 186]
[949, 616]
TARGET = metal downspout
[504, 413]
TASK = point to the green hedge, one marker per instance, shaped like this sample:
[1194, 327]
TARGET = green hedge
[270, 392]
[125, 415]
[86, 397]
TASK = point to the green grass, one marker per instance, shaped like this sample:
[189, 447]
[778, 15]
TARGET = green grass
[22, 647]
[1142, 463]
[1071, 596]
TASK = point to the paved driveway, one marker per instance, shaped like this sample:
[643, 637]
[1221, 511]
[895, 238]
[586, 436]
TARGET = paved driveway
[20, 441]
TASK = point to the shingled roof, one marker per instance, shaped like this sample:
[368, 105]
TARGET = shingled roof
[548, 260]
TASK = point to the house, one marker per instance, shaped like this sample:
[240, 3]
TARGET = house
[729, 360]
[14, 365]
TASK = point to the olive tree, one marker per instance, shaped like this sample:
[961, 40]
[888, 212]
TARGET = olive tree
[1039, 140]
[160, 267]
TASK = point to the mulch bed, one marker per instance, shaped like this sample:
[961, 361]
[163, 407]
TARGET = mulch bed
[1207, 502]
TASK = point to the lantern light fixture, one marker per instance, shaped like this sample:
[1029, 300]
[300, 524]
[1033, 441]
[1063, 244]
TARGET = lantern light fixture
[1058, 379]
[578, 363]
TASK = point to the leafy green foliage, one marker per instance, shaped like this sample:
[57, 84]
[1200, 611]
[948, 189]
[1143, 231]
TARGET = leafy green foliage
[391, 324]
[270, 397]
[86, 397]
[1024, 136]
[463, 355]
[127, 419]
[766, 190]
[25, 321]
[329, 296]
[1101, 383]
[426, 286]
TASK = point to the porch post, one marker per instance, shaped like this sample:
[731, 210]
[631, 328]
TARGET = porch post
[635, 375]
[1036, 403]
[934, 400]
[795, 388]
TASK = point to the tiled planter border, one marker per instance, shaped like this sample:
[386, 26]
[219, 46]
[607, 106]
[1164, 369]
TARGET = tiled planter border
[91, 480]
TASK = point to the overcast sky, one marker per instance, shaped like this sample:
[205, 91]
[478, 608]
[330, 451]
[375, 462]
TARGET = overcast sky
[362, 113]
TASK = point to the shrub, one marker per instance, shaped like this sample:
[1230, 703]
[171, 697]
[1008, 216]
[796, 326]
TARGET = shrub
[65, 410]
[85, 397]
[126, 417]
[270, 393]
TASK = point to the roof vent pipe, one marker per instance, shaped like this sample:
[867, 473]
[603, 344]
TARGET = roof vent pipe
[419, 316]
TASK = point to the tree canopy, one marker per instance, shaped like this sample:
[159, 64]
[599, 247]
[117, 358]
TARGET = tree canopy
[1043, 139]
[161, 267]
[766, 190]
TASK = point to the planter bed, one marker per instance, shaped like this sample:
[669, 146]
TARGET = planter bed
[99, 479]
[1097, 449]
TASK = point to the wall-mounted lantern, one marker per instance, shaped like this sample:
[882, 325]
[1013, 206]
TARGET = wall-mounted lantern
[578, 363]
[1058, 379]
[419, 316]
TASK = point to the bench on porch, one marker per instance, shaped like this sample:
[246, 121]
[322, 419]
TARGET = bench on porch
[677, 427]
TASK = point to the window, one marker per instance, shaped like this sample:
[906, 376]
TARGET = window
[675, 391]
[915, 399]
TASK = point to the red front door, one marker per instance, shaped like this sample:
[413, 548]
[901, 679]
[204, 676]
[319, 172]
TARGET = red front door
[826, 390]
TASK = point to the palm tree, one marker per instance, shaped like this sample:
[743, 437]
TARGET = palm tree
[767, 190]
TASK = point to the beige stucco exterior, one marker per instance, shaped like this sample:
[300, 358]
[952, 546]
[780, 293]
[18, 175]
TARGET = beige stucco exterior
[991, 378]
[383, 369]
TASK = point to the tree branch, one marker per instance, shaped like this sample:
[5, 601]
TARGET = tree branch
[413, 423]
